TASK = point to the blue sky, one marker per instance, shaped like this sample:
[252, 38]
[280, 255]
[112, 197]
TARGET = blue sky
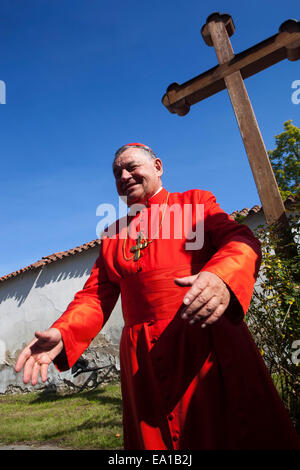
[84, 77]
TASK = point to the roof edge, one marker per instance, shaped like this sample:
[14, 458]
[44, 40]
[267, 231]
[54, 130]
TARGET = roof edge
[52, 258]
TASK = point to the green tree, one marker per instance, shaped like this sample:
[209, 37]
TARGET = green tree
[274, 317]
[285, 160]
[274, 314]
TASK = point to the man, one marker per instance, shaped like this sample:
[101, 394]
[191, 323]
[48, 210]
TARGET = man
[191, 375]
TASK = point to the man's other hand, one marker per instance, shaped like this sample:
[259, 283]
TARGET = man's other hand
[37, 356]
[206, 300]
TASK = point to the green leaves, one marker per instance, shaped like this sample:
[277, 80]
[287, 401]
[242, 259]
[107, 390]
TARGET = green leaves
[285, 160]
[274, 314]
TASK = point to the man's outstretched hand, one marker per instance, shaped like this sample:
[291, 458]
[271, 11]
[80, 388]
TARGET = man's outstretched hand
[207, 298]
[37, 356]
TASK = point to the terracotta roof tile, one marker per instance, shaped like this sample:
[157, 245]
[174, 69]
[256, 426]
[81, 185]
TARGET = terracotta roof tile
[246, 211]
[52, 258]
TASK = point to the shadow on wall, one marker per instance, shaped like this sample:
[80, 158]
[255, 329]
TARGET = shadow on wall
[19, 287]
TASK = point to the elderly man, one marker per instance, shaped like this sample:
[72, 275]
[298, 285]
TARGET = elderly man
[191, 375]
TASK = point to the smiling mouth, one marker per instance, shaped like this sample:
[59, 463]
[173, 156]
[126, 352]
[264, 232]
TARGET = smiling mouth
[130, 186]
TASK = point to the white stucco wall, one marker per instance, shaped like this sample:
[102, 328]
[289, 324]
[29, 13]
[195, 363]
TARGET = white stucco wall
[254, 220]
[34, 300]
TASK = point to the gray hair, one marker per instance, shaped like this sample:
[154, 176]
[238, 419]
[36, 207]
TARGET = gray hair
[147, 150]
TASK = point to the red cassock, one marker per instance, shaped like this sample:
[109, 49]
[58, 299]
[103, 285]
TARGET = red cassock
[183, 386]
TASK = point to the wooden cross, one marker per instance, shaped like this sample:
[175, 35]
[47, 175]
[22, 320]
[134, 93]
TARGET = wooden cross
[230, 74]
[136, 249]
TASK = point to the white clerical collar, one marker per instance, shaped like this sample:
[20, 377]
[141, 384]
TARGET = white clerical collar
[133, 210]
[156, 192]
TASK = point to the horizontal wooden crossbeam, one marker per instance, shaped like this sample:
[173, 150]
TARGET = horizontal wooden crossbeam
[285, 44]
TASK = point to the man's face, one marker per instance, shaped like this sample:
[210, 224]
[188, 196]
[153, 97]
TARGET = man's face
[137, 175]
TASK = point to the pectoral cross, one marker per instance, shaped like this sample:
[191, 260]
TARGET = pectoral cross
[230, 74]
[139, 246]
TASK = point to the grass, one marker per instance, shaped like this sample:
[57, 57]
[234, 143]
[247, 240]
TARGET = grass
[86, 420]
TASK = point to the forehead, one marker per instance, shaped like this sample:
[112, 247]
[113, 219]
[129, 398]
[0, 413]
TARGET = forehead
[133, 155]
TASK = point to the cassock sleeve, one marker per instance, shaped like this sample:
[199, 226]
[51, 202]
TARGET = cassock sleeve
[237, 257]
[86, 315]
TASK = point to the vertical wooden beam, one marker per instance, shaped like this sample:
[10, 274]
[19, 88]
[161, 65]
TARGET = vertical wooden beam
[257, 154]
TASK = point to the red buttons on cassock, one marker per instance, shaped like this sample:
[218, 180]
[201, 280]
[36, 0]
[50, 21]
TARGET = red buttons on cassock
[171, 417]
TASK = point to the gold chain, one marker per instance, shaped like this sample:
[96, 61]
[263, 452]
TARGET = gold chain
[139, 246]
